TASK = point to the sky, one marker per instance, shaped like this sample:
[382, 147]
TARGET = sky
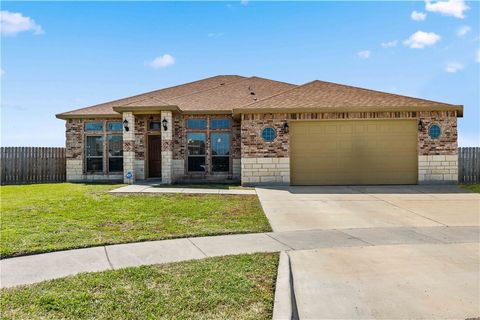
[59, 56]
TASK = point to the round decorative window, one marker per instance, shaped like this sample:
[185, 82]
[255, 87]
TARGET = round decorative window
[434, 131]
[269, 134]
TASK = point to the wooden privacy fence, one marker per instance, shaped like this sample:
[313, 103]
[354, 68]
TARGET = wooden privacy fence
[469, 165]
[32, 165]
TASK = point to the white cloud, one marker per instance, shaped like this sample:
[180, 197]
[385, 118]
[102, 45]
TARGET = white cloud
[453, 67]
[463, 31]
[2, 72]
[390, 44]
[454, 8]
[364, 54]
[418, 16]
[421, 39]
[477, 58]
[244, 2]
[12, 23]
[162, 61]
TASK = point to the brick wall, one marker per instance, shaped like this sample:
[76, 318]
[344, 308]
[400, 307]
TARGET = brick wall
[75, 153]
[447, 143]
[74, 139]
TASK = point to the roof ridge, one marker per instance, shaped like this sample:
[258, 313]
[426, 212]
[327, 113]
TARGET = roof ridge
[381, 92]
[216, 87]
[277, 94]
[150, 92]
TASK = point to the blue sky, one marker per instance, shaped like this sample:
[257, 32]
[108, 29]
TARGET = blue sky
[58, 56]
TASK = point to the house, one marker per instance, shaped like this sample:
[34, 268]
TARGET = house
[257, 131]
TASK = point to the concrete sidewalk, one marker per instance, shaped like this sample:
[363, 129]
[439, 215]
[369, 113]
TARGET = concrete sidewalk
[36, 268]
[148, 189]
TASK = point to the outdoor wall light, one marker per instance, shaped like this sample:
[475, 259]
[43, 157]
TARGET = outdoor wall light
[164, 123]
[421, 126]
[125, 125]
[285, 127]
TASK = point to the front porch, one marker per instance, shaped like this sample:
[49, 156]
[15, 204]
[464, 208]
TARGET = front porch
[175, 148]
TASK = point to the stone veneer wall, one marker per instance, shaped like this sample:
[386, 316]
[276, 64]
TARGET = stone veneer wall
[167, 148]
[259, 166]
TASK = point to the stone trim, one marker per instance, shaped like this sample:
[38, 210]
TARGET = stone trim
[167, 147]
[437, 169]
[128, 148]
[265, 171]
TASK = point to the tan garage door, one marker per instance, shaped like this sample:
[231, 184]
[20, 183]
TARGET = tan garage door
[352, 152]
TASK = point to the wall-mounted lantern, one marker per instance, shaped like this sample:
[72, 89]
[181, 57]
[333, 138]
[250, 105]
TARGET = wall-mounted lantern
[125, 125]
[285, 127]
[165, 123]
[421, 126]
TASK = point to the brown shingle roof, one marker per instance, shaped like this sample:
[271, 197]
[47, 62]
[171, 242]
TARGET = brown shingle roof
[328, 96]
[221, 98]
[234, 93]
[162, 94]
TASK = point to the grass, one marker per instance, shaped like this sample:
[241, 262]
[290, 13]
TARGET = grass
[234, 287]
[207, 186]
[49, 217]
[472, 187]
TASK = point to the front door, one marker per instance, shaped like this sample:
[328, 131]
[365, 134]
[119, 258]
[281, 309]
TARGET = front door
[154, 156]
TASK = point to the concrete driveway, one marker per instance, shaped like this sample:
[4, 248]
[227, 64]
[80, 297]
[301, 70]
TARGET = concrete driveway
[311, 208]
[396, 274]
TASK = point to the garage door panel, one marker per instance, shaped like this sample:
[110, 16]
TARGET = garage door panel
[353, 152]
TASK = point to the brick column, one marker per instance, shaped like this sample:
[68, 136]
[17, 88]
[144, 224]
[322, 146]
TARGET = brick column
[128, 148]
[167, 148]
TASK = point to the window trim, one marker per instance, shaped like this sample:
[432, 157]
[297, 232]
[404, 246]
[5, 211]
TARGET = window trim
[223, 156]
[107, 128]
[94, 157]
[220, 129]
[107, 154]
[439, 129]
[154, 130]
[197, 156]
[94, 131]
[265, 128]
[198, 129]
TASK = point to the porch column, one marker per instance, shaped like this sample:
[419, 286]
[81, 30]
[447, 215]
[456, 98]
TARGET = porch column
[167, 147]
[128, 148]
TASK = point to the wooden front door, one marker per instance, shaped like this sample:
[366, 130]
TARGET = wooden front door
[154, 156]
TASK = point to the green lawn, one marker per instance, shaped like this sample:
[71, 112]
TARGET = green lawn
[48, 217]
[233, 287]
[472, 187]
[206, 186]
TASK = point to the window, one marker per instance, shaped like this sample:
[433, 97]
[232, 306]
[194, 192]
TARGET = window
[115, 126]
[196, 151]
[93, 126]
[94, 153]
[269, 134]
[115, 153]
[434, 131]
[155, 125]
[220, 124]
[220, 144]
[196, 124]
